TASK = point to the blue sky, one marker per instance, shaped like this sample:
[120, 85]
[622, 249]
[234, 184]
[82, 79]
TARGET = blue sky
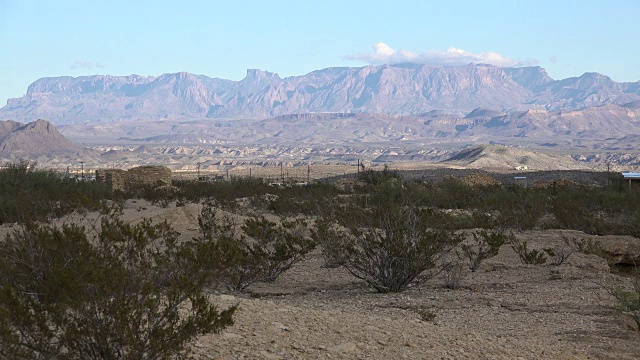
[43, 38]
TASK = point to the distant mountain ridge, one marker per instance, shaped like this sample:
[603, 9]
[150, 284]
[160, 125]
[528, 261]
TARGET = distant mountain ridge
[385, 89]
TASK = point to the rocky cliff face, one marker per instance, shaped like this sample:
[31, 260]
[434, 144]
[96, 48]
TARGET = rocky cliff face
[385, 89]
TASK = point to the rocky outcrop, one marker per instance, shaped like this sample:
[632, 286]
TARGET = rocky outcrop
[621, 251]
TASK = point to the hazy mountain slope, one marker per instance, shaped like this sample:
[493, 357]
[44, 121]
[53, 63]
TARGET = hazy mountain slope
[384, 89]
[595, 122]
[532, 78]
[479, 125]
[31, 140]
[590, 89]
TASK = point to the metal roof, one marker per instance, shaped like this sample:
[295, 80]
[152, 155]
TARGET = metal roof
[631, 175]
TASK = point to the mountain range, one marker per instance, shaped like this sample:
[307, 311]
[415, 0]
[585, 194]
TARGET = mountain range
[404, 89]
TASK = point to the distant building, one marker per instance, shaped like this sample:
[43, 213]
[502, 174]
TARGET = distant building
[628, 175]
[631, 177]
[520, 180]
[522, 167]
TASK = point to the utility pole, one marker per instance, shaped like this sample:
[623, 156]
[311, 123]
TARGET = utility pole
[308, 174]
[281, 172]
[227, 174]
[198, 171]
[358, 166]
[82, 169]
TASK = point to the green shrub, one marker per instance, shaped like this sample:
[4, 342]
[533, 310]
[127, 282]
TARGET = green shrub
[269, 250]
[31, 194]
[375, 178]
[484, 245]
[389, 246]
[530, 256]
[284, 244]
[452, 273]
[628, 300]
[128, 293]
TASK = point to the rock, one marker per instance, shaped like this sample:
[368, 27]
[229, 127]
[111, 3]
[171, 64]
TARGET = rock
[268, 355]
[629, 322]
[280, 326]
[619, 250]
[225, 297]
[592, 263]
[347, 347]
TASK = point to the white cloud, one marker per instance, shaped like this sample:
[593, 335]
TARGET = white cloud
[81, 65]
[384, 54]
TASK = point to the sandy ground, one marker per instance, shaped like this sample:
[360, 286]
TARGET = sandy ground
[505, 310]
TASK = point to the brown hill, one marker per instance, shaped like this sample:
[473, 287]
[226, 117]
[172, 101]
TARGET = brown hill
[38, 138]
[505, 157]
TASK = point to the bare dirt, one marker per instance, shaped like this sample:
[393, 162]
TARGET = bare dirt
[506, 310]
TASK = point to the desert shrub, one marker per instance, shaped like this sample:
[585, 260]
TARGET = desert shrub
[285, 243]
[269, 250]
[388, 245]
[127, 293]
[530, 256]
[598, 211]
[559, 255]
[31, 194]
[522, 208]
[452, 274]
[377, 177]
[311, 199]
[586, 246]
[629, 300]
[484, 245]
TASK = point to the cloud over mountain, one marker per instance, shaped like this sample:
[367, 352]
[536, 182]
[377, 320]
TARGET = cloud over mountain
[385, 54]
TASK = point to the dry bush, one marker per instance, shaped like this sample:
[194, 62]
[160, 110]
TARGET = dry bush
[629, 300]
[127, 293]
[452, 274]
[262, 251]
[484, 245]
[389, 245]
[530, 256]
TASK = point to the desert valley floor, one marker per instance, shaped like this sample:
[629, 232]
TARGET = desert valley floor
[505, 310]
